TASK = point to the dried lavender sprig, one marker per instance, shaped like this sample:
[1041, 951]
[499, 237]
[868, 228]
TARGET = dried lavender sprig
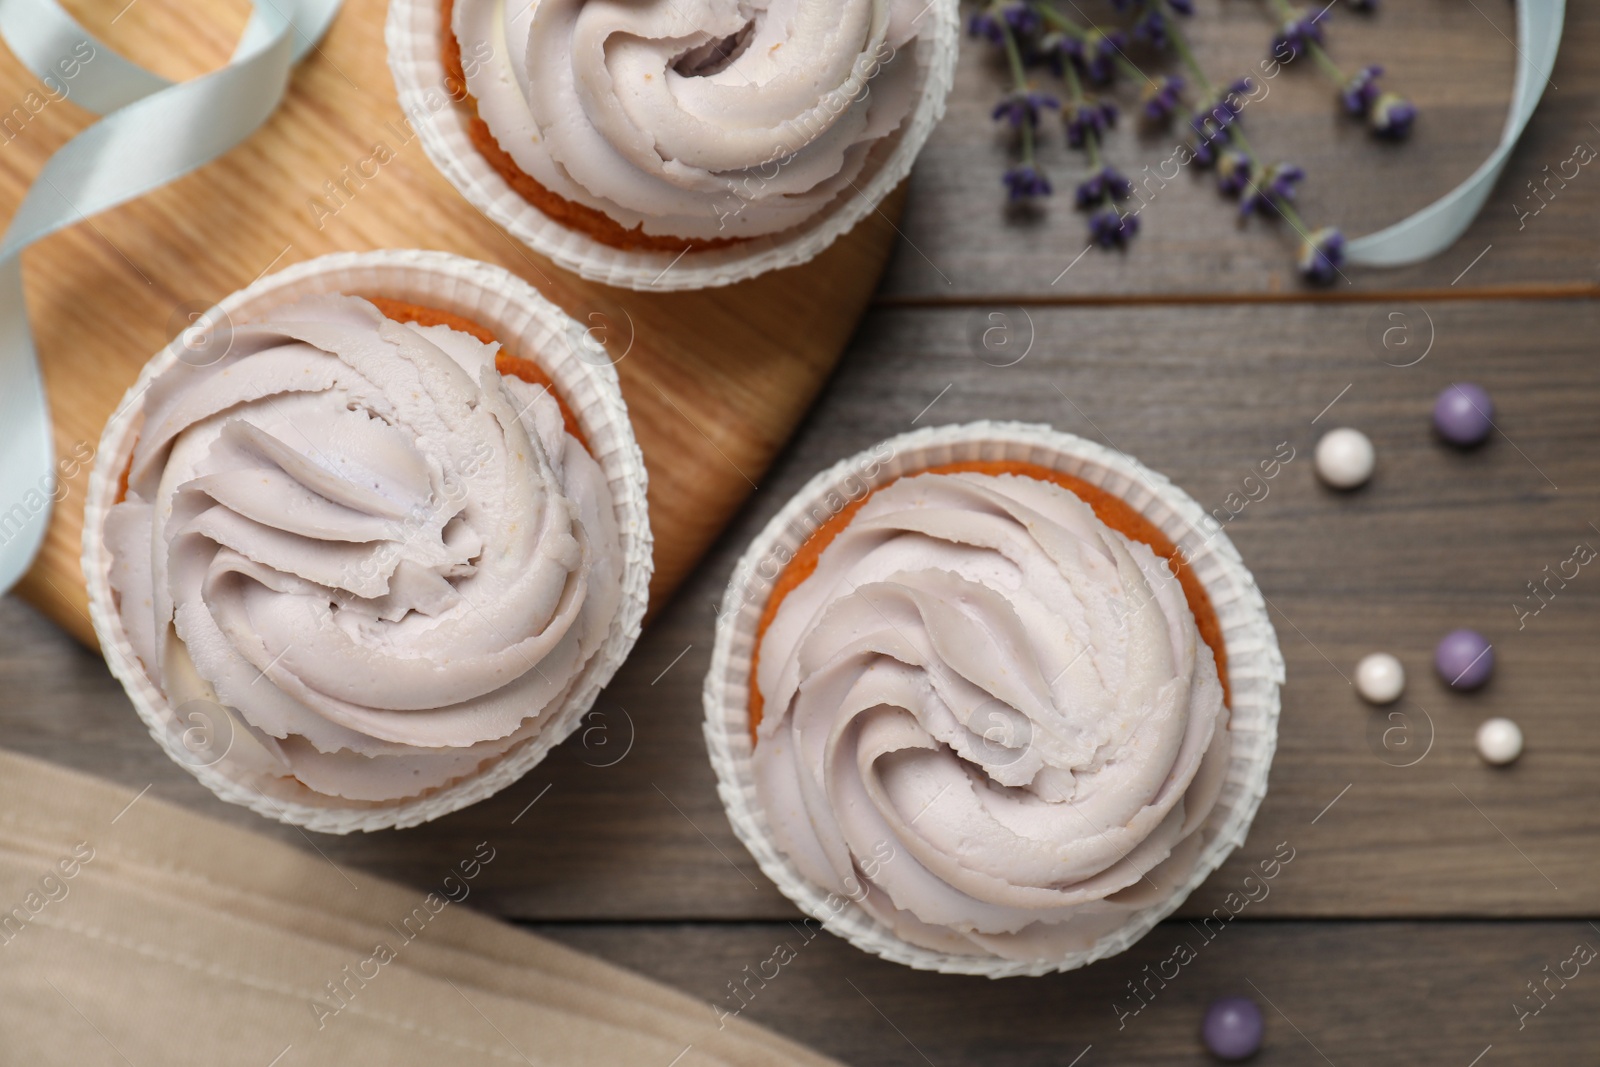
[1321, 250]
[1083, 35]
[1026, 180]
[1098, 50]
[1159, 97]
[1098, 194]
[1086, 122]
[1389, 114]
[1301, 33]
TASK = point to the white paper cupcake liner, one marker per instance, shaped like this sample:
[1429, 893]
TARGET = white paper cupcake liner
[528, 326]
[1255, 665]
[414, 34]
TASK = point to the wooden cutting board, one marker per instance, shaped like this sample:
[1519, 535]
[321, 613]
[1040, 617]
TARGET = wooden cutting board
[715, 381]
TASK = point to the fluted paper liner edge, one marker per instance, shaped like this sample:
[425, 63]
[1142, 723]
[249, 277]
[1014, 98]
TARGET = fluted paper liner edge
[413, 35]
[1255, 667]
[527, 325]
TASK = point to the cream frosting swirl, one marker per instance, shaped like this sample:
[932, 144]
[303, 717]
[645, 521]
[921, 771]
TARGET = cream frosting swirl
[990, 719]
[702, 119]
[389, 562]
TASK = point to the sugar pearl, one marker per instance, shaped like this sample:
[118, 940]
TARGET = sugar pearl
[1463, 414]
[1345, 458]
[1464, 659]
[1232, 1028]
[1499, 741]
[1380, 678]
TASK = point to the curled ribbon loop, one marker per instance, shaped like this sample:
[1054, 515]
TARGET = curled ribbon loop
[1437, 226]
[156, 131]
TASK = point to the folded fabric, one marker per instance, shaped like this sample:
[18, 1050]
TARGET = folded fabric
[133, 931]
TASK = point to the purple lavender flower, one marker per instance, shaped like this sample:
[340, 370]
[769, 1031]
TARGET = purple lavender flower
[1152, 29]
[1274, 187]
[983, 23]
[1024, 20]
[1110, 227]
[1059, 49]
[1026, 182]
[1392, 115]
[1023, 106]
[1208, 135]
[1233, 99]
[1211, 126]
[1281, 180]
[1233, 172]
[1160, 98]
[1210, 132]
[1320, 255]
[1091, 117]
[1020, 16]
[1101, 50]
[1103, 183]
[1182, 7]
[1361, 91]
[1297, 35]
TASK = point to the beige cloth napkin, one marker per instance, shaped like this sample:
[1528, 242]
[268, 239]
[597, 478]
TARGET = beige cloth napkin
[144, 935]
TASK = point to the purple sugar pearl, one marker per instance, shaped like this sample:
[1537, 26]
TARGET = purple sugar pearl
[1463, 414]
[1232, 1028]
[1464, 659]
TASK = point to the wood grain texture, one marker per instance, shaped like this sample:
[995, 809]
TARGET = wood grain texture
[1399, 932]
[631, 827]
[1455, 60]
[1423, 994]
[1402, 992]
[715, 381]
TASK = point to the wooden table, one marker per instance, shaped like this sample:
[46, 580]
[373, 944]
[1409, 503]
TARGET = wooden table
[1426, 890]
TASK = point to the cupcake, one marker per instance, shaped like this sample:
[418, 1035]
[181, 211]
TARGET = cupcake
[717, 139]
[368, 543]
[991, 699]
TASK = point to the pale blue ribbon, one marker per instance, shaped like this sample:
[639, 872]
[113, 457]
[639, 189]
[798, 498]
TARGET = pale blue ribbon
[156, 131]
[1437, 226]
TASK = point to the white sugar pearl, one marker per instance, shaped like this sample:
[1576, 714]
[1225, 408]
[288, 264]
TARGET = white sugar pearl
[1499, 741]
[1345, 458]
[1380, 678]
